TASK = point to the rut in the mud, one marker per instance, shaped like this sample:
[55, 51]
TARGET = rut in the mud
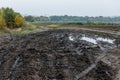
[51, 55]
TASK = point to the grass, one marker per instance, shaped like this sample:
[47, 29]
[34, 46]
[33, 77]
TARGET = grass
[32, 26]
[25, 31]
[97, 26]
[53, 26]
[27, 28]
[38, 27]
[1, 32]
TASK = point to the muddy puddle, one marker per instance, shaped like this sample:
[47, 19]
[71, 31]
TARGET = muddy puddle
[103, 41]
[56, 55]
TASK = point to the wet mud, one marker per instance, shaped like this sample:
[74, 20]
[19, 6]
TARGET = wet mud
[55, 55]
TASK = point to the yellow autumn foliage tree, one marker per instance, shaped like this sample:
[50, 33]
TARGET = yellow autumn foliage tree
[10, 19]
[18, 21]
[2, 23]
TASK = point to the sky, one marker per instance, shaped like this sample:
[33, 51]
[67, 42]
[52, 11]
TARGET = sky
[64, 7]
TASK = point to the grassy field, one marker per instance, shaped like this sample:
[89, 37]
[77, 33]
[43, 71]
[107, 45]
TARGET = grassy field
[99, 26]
[38, 27]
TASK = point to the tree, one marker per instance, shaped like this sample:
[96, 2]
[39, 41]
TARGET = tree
[29, 18]
[9, 16]
[2, 20]
[18, 21]
[10, 19]
[2, 23]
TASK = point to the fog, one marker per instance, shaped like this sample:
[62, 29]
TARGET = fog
[62, 7]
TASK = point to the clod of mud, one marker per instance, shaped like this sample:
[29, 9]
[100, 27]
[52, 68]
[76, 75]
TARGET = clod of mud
[51, 55]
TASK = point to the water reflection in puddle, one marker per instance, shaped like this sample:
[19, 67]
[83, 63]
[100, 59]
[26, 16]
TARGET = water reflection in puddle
[89, 40]
[71, 38]
[93, 39]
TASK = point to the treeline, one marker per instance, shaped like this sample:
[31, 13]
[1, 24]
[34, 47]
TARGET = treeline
[10, 19]
[67, 18]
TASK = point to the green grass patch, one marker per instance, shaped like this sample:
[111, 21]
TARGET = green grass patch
[53, 26]
[1, 32]
[25, 31]
[33, 26]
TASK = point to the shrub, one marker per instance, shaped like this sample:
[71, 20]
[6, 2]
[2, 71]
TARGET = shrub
[10, 19]
[2, 23]
[18, 21]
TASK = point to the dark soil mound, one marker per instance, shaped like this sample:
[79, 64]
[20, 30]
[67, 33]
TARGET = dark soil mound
[50, 55]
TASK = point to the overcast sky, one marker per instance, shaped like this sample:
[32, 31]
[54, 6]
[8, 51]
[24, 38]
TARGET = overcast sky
[62, 7]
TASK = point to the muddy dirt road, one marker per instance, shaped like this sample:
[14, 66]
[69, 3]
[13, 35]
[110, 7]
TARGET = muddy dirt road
[59, 55]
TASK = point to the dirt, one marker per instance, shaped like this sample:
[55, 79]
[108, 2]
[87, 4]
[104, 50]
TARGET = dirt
[50, 55]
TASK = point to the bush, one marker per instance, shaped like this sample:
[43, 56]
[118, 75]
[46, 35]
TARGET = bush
[18, 21]
[2, 23]
[10, 19]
